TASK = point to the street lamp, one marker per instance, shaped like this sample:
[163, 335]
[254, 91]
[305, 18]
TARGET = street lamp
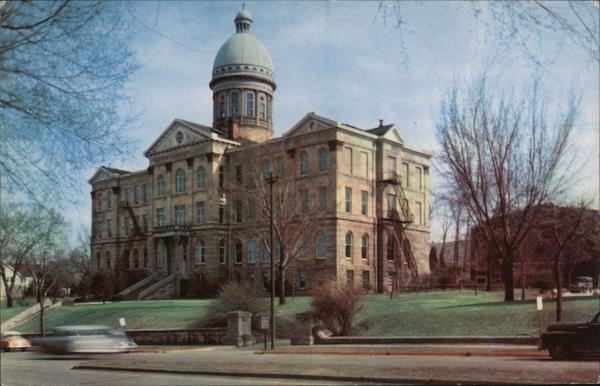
[271, 180]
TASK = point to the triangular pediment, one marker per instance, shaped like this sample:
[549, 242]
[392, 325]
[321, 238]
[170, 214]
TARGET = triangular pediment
[310, 123]
[178, 134]
[106, 173]
[394, 135]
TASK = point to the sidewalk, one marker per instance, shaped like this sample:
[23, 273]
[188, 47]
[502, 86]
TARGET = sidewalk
[436, 364]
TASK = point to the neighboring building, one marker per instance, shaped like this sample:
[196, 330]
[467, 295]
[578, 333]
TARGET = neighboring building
[367, 191]
[23, 280]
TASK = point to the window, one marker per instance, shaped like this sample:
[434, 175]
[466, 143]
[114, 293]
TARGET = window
[128, 226]
[279, 167]
[391, 248]
[147, 194]
[262, 108]
[251, 251]
[145, 222]
[200, 178]
[128, 197]
[348, 159]
[107, 260]
[136, 259]
[238, 210]
[126, 259]
[323, 159]
[419, 178]
[161, 186]
[161, 220]
[364, 248]
[350, 278]
[323, 199]
[99, 201]
[303, 163]
[405, 170]
[180, 214]
[110, 199]
[348, 201]
[321, 245]
[391, 203]
[180, 181]
[266, 168]
[161, 253]
[100, 230]
[222, 106]
[391, 164]
[349, 245]
[201, 212]
[221, 176]
[145, 254]
[265, 252]
[221, 215]
[304, 201]
[366, 281]
[251, 211]
[302, 280]
[109, 228]
[419, 210]
[235, 104]
[200, 252]
[222, 252]
[364, 202]
[238, 252]
[364, 164]
[249, 104]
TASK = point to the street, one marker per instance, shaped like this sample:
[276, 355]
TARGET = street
[300, 365]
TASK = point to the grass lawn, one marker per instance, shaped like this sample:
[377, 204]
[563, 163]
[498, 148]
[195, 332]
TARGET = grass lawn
[19, 305]
[426, 313]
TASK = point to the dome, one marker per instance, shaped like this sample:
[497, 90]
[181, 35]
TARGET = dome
[243, 52]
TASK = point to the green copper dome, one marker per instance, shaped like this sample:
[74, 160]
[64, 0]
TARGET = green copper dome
[242, 52]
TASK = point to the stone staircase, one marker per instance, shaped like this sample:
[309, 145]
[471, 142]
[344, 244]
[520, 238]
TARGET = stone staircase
[161, 289]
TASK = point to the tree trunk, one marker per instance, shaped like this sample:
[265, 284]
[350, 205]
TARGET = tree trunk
[281, 287]
[42, 332]
[522, 278]
[9, 299]
[507, 276]
[556, 274]
[488, 286]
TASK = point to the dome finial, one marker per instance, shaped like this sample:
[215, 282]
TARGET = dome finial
[243, 20]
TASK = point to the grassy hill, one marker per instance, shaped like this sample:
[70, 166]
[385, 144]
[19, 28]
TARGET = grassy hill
[416, 314]
[19, 305]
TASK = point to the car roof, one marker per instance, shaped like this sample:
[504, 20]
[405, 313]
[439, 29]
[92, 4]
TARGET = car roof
[83, 327]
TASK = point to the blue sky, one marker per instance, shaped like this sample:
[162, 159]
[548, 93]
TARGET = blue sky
[345, 61]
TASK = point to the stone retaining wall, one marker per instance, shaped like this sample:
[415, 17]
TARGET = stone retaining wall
[368, 340]
[187, 336]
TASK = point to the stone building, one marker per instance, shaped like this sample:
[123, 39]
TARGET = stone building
[183, 221]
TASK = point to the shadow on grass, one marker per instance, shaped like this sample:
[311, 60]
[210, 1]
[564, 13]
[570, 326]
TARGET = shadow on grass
[519, 302]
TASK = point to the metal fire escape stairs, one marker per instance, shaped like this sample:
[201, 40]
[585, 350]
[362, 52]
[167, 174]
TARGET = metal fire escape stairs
[131, 238]
[400, 221]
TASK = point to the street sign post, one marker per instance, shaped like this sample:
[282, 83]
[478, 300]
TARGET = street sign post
[540, 308]
[264, 325]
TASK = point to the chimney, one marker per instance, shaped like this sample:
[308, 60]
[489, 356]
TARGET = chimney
[380, 122]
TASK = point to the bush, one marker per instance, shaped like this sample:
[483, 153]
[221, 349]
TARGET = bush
[242, 296]
[542, 285]
[336, 307]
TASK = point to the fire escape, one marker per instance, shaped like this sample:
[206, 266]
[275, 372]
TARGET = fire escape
[132, 235]
[398, 220]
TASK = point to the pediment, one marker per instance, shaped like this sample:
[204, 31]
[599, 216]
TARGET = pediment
[178, 134]
[394, 135]
[310, 123]
[105, 173]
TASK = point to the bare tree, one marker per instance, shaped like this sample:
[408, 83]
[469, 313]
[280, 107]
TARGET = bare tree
[505, 157]
[63, 65]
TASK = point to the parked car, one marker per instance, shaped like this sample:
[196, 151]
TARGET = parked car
[582, 284]
[12, 341]
[572, 339]
[86, 340]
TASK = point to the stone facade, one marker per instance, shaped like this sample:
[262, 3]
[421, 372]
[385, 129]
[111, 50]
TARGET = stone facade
[194, 220]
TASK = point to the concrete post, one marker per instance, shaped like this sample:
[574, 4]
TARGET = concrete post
[239, 329]
[303, 329]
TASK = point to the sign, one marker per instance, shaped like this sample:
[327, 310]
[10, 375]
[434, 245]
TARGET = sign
[122, 322]
[540, 304]
[264, 322]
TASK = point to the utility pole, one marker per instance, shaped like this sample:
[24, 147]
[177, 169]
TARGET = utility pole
[271, 180]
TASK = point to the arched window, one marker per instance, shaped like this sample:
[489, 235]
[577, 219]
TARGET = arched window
[110, 199]
[161, 186]
[161, 253]
[98, 262]
[238, 252]
[136, 259]
[126, 259]
[222, 252]
[391, 248]
[180, 181]
[364, 249]
[145, 253]
[321, 245]
[303, 163]
[108, 260]
[200, 250]
[250, 104]
[99, 200]
[349, 245]
[200, 178]
[323, 159]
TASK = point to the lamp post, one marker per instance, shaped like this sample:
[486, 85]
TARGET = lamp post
[271, 180]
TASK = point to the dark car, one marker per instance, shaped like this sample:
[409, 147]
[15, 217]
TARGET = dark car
[86, 340]
[572, 339]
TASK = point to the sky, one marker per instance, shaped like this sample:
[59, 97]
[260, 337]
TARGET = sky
[347, 61]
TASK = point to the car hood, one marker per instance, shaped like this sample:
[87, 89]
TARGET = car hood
[566, 326]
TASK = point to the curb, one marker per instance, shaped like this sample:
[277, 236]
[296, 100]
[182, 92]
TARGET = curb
[309, 377]
[535, 354]
[367, 340]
